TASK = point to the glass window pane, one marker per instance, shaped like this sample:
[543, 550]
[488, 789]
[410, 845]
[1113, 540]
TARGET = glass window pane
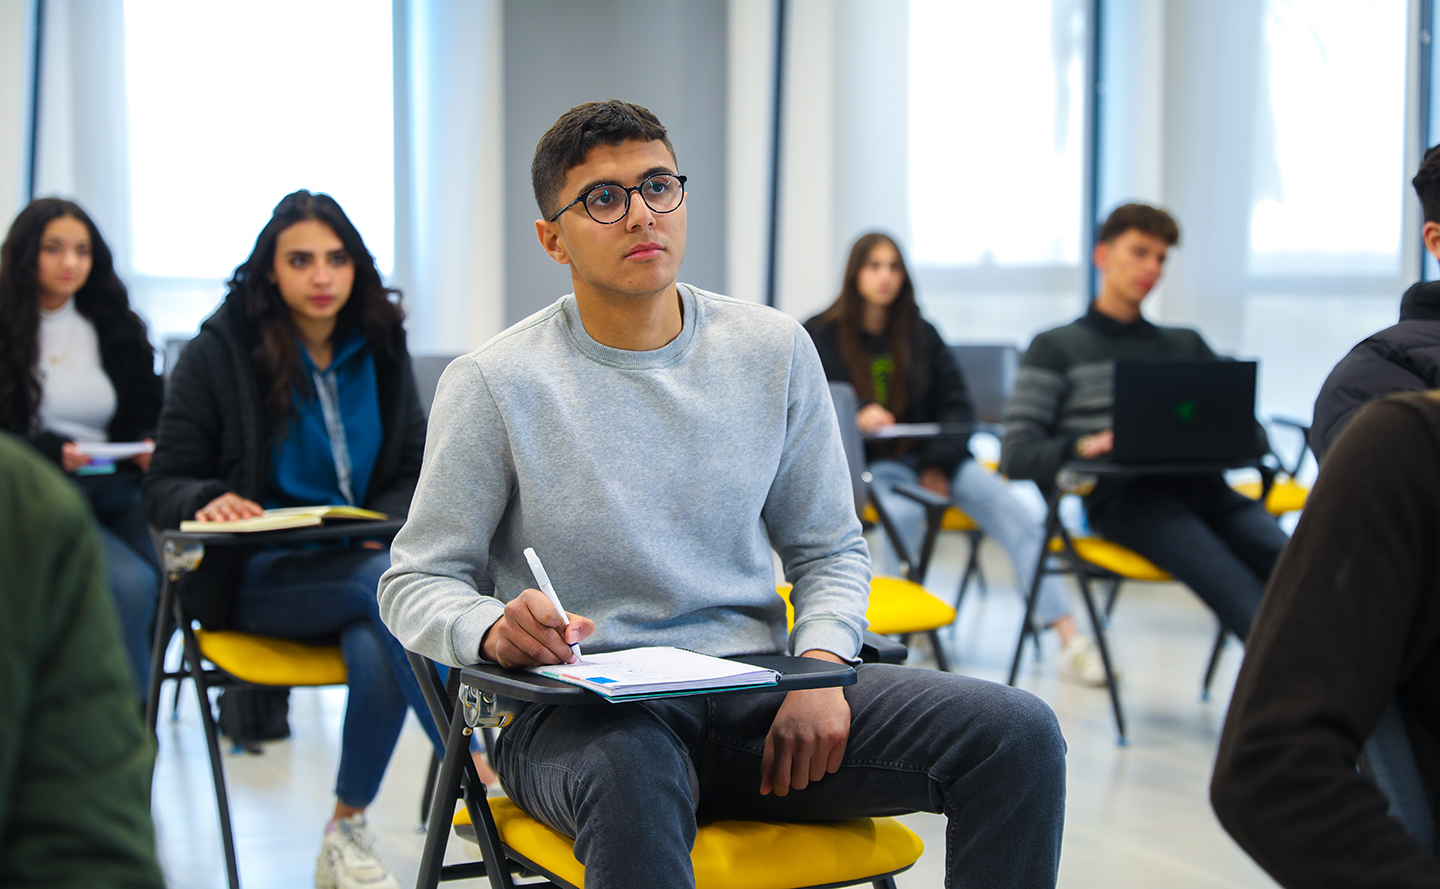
[1329, 177]
[996, 131]
[232, 106]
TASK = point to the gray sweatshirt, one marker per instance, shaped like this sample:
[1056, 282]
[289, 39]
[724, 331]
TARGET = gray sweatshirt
[653, 486]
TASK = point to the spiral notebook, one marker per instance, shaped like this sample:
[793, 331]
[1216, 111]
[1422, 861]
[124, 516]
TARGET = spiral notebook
[639, 673]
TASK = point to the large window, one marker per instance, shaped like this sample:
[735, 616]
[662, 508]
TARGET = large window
[232, 106]
[1327, 162]
[997, 101]
[997, 110]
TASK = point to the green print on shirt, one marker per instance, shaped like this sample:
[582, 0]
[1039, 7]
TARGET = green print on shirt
[881, 368]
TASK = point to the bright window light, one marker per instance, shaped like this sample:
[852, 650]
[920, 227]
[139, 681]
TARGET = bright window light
[1329, 176]
[996, 132]
[234, 105]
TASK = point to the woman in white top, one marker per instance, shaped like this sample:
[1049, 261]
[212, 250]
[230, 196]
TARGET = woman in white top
[76, 370]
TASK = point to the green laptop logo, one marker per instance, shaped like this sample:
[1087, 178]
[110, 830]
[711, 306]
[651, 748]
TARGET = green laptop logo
[1185, 410]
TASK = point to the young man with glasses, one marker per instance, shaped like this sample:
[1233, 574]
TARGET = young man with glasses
[653, 442]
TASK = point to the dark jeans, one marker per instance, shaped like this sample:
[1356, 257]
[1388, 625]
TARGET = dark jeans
[627, 780]
[1220, 543]
[324, 594]
[132, 566]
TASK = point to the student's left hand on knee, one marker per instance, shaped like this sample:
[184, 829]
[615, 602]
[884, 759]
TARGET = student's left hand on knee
[806, 741]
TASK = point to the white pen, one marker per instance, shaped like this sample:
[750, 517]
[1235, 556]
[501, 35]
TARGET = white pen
[544, 580]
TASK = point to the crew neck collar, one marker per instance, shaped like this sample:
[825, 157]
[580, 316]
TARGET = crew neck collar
[652, 358]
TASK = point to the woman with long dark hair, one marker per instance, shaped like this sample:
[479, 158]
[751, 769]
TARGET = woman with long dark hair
[298, 390]
[874, 338]
[76, 371]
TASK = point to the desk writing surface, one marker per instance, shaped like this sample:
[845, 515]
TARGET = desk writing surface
[383, 529]
[1110, 467]
[795, 673]
[912, 431]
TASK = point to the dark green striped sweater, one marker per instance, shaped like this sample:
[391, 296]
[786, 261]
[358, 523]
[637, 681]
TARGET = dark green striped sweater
[1065, 387]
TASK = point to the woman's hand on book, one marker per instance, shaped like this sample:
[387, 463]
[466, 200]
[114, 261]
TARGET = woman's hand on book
[873, 417]
[531, 634]
[72, 458]
[143, 460]
[228, 507]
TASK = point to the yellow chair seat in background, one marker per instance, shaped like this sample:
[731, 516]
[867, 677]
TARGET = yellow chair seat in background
[897, 607]
[1115, 558]
[1286, 495]
[265, 660]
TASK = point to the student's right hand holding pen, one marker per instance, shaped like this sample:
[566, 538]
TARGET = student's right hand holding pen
[530, 633]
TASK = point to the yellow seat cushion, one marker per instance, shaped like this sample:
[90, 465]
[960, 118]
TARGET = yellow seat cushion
[899, 606]
[1113, 557]
[264, 660]
[1286, 495]
[739, 854]
[955, 520]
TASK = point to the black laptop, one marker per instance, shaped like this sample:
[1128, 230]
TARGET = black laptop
[1184, 411]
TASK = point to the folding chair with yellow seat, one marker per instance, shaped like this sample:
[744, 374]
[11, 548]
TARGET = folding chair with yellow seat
[952, 520]
[1280, 485]
[989, 370]
[899, 606]
[727, 854]
[1092, 558]
[900, 602]
[237, 660]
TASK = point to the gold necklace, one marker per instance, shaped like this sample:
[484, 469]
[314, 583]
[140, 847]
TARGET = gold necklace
[59, 357]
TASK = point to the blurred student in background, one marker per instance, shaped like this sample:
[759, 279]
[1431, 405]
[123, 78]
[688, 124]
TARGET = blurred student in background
[75, 759]
[77, 369]
[299, 391]
[1213, 539]
[873, 338]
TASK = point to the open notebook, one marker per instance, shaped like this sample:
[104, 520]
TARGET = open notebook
[285, 517]
[637, 673]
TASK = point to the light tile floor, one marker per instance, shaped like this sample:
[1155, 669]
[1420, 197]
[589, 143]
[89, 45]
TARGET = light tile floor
[1136, 816]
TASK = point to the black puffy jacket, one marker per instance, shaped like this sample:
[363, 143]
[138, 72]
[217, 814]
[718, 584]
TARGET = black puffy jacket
[1404, 357]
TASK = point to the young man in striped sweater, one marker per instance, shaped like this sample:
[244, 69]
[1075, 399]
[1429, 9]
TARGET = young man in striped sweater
[1219, 543]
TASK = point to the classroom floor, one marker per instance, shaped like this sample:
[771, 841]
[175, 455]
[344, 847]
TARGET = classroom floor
[1136, 816]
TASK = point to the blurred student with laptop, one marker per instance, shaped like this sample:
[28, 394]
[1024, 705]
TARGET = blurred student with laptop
[1218, 542]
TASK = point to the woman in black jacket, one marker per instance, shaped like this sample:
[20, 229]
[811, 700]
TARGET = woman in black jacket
[76, 372]
[298, 391]
[873, 338]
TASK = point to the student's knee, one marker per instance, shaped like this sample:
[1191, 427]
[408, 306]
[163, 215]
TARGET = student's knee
[1022, 728]
[630, 773]
[640, 759]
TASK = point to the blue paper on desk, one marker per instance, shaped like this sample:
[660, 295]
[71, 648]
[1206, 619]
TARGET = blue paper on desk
[637, 673]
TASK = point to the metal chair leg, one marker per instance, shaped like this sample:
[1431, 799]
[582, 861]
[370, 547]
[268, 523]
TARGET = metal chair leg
[1220, 638]
[429, 793]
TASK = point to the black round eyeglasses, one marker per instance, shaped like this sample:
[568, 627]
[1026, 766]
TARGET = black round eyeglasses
[608, 204]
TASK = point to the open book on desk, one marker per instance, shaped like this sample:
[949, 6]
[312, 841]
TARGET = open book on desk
[638, 673]
[285, 517]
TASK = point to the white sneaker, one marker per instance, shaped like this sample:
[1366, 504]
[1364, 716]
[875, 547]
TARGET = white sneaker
[1080, 661]
[348, 859]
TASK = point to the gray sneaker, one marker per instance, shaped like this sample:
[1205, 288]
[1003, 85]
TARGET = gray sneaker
[348, 859]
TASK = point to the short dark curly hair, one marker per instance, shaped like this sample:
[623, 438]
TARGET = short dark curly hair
[1427, 184]
[1150, 220]
[569, 139]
